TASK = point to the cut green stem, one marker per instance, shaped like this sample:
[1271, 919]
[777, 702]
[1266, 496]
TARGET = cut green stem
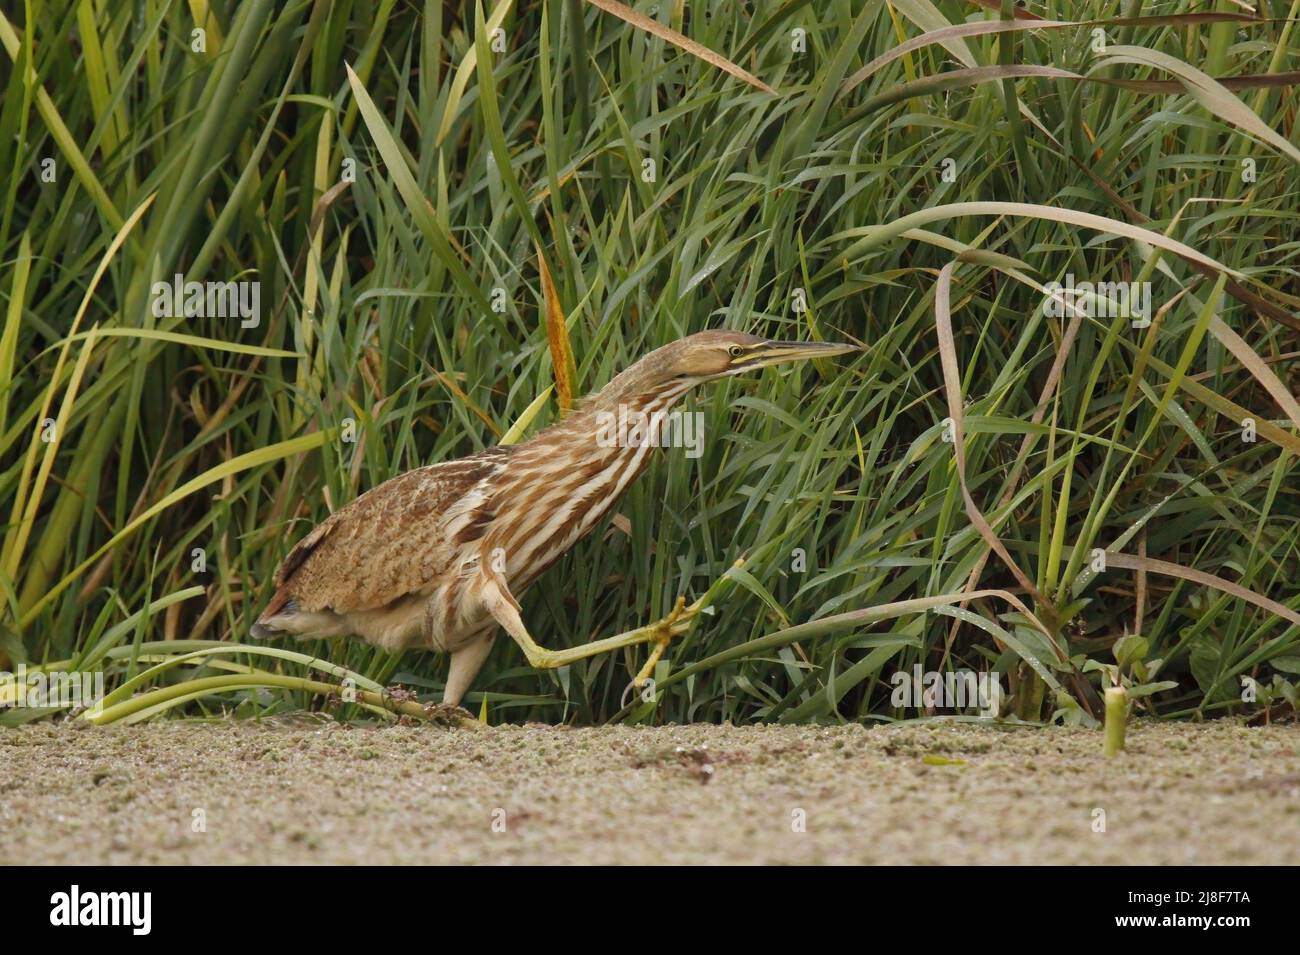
[1116, 716]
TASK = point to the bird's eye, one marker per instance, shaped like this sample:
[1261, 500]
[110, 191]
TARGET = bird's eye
[735, 351]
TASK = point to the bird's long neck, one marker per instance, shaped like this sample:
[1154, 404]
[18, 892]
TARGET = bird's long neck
[560, 483]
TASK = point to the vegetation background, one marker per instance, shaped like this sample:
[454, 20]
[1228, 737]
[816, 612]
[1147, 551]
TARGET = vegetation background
[617, 185]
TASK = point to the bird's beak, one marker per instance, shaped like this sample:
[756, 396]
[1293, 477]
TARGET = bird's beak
[774, 352]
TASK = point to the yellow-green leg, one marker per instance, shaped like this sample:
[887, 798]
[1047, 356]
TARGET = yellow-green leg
[506, 611]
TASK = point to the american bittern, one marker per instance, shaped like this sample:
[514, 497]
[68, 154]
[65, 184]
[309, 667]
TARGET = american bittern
[436, 557]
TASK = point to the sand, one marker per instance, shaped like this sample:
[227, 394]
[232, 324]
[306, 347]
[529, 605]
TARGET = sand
[323, 793]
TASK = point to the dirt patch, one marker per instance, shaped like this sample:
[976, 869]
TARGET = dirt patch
[920, 793]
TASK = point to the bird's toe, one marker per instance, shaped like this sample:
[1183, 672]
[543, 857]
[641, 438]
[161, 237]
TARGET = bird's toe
[448, 714]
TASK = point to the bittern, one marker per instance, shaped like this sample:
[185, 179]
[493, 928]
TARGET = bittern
[437, 557]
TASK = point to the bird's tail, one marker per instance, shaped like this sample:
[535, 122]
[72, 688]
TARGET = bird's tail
[265, 627]
[283, 617]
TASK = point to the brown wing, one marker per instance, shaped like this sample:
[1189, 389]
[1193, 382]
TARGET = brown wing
[388, 543]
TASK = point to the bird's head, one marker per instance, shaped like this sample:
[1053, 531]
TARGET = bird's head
[705, 356]
[720, 354]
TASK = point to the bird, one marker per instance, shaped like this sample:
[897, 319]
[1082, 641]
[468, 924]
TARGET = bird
[438, 557]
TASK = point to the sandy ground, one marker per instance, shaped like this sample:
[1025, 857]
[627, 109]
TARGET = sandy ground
[921, 793]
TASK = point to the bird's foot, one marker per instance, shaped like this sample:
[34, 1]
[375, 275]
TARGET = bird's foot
[680, 619]
[448, 714]
[677, 623]
[400, 694]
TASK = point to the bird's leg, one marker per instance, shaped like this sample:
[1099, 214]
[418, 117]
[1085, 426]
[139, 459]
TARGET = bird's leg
[504, 608]
[466, 660]
[465, 664]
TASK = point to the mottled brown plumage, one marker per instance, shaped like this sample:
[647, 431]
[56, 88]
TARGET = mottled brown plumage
[436, 557]
[372, 540]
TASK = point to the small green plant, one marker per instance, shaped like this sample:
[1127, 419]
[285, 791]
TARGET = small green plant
[1279, 689]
